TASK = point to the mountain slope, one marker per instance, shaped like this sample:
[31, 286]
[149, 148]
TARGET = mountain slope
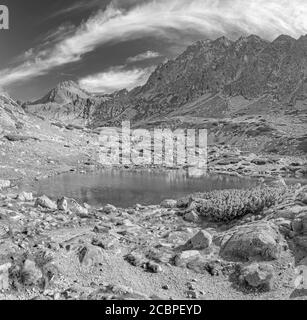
[11, 113]
[214, 74]
[67, 103]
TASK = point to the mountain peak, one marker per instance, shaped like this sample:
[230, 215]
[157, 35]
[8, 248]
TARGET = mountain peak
[67, 84]
[65, 92]
[283, 38]
[223, 41]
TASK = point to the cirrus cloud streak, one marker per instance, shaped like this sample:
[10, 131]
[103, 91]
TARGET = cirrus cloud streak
[161, 18]
[116, 78]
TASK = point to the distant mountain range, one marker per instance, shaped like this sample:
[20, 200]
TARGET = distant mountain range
[248, 92]
[211, 79]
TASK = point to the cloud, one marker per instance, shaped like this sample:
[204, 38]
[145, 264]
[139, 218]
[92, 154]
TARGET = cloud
[144, 56]
[78, 7]
[162, 19]
[115, 78]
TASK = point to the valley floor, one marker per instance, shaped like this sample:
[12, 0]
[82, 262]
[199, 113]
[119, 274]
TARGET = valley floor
[64, 250]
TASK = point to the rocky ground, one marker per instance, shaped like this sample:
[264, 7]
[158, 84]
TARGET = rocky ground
[64, 250]
[58, 249]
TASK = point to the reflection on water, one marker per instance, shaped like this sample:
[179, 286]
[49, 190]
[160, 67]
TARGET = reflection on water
[126, 188]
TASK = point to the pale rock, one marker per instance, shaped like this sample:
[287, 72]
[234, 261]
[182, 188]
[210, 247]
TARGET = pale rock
[31, 274]
[89, 255]
[185, 257]
[108, 209]
[4, 276]
[45, 202]
[25, 197]
[71, 205]
[5, 184]
[169, 204]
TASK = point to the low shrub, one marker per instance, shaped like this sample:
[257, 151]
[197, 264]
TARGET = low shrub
[227, 205]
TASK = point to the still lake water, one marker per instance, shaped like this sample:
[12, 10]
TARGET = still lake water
[124, 188]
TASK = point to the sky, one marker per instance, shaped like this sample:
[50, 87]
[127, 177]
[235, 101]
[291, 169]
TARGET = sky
[108, 45]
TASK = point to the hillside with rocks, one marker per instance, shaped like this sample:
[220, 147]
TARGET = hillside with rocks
[10, 112]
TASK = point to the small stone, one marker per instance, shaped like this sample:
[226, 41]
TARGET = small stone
[192, 294]
[31, 274]
[201, 240]
[5, 184]
[169, 204]
[154, 267]
[165, 287]
[89, 255]
[190, 286]
[108, 209]
[4, 276]
[191, 216]
[25, 197]
[185, 257]
[62, 204]
[45, 202]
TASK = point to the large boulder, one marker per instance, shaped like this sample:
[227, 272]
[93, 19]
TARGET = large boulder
[255, 240]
